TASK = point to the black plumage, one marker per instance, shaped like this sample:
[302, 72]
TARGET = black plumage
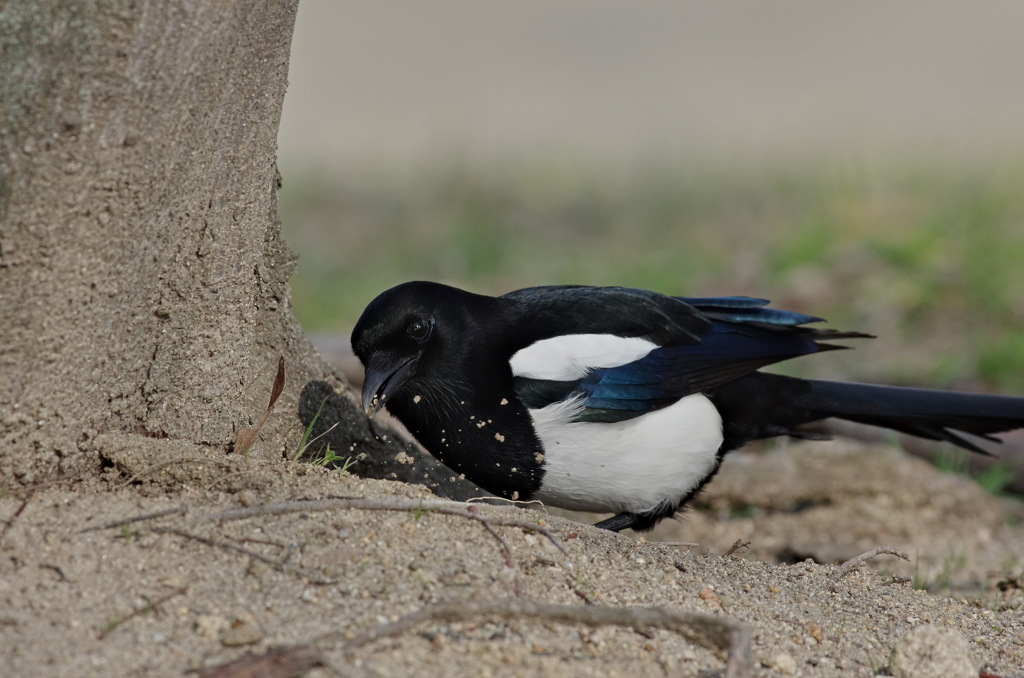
[570, 394]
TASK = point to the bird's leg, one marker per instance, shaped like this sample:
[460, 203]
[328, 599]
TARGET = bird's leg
[618, 522]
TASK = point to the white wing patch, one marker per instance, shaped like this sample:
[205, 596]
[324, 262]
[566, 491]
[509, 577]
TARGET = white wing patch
[629, 466]
[571, 356]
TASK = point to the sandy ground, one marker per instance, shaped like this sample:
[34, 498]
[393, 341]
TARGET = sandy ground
[188, 588]
[84, 594]
[396, 83]
[181, 591]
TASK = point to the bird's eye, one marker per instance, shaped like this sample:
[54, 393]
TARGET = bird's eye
[419, 329]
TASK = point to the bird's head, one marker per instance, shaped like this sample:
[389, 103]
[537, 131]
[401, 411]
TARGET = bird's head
[404, 338]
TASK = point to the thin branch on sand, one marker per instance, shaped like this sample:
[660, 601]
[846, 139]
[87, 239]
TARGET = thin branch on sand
[415, 506]
[145, 609]
[277, 662]
[452, 508]
[228, 546]
[736, 546]
[149, 470]
[716, 633]
[855, 562]
[136, 519]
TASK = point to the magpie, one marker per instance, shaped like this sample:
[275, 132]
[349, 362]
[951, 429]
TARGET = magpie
[618, 400]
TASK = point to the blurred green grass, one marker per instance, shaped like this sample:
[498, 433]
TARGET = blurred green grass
[929, 256]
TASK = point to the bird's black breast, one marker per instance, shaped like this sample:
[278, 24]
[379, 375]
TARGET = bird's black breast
[488, 437]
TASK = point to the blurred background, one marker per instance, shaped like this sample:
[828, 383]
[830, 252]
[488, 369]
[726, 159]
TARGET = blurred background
[861, 161]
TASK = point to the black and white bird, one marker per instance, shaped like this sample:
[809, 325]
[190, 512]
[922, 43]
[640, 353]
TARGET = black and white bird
[609, 399]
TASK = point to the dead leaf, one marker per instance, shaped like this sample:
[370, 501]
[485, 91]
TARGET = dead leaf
[247, 436]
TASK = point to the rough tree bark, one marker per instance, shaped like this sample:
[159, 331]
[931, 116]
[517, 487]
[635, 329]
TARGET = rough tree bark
[143, 280]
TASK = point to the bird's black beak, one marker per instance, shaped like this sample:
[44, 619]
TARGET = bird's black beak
[385, 374]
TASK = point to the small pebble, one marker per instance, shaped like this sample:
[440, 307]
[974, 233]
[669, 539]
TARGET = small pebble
[814, 631]
[783, 663]
[243, 633]
[209, 625]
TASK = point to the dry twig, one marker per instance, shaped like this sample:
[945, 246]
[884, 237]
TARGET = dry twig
[507, 553]
[452, 508]
[228, 546]
[136, 519]
[736, 546]
[385, 504]
[30, 492]
[148, 607]
[716, 633]
[855, 562]
[139, 475]
[24, 503]
[277, 662]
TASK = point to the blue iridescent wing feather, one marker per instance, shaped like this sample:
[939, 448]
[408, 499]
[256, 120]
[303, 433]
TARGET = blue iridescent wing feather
[742, 336]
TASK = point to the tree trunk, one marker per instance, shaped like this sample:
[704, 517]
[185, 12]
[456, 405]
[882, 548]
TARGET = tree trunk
[143, 280]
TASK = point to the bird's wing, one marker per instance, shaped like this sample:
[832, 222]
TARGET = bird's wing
[621, 311]
[739, 336]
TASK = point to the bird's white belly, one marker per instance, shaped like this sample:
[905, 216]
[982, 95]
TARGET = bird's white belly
[629, 466]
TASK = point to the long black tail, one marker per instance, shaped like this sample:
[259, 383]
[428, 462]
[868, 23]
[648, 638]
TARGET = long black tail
[763, 405]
